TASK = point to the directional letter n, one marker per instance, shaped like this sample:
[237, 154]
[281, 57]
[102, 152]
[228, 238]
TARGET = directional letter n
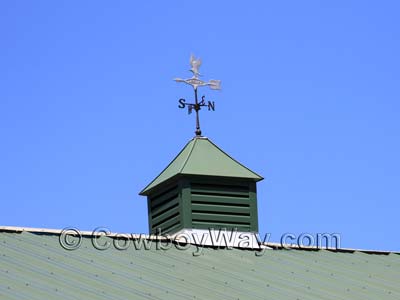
[211, 105]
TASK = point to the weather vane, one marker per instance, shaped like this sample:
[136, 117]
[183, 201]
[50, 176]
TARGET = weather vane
[195, 82]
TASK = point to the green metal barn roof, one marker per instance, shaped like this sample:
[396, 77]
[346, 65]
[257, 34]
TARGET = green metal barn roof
[35, 266]
[200, 156]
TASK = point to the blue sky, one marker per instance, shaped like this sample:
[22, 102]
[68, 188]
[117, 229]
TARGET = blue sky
[309, 99]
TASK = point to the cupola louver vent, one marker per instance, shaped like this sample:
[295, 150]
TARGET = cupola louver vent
[164, 210]
[217, 205]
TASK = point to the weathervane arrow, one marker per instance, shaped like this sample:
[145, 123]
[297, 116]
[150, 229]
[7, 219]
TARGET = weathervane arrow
[195, 82]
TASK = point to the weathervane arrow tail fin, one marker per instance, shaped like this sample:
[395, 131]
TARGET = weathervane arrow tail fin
[215, 84]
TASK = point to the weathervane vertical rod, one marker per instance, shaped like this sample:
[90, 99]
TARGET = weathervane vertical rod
[197, 108]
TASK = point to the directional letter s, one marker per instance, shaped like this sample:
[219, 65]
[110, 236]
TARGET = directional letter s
[181, 103]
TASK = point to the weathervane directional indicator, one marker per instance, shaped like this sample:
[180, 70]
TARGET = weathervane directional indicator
[195, 82]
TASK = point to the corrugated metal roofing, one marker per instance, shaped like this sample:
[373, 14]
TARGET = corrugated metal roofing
[35, 266]
[191, 161]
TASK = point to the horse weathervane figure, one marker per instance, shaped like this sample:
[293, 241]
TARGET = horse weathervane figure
[195, 82]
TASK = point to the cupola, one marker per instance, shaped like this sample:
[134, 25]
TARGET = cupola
[203, 188]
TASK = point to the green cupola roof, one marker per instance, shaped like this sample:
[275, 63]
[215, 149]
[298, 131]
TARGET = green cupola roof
[200, 156]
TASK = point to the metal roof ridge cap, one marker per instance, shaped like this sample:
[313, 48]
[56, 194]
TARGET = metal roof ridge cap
[297, 247]
[151, 236]
[18, 229]
[189, 154]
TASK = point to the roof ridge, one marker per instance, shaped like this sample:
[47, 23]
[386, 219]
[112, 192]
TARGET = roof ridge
[189, 154]
[18, 229]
